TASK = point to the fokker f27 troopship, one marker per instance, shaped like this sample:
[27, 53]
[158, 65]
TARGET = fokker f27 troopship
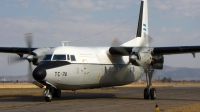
[74, 68]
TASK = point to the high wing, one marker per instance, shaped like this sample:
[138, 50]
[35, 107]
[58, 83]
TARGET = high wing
[34, 55]
[17, 50]
[176, 50]
[125, 51]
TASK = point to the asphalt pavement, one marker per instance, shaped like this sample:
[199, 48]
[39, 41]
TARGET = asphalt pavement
[121, 99]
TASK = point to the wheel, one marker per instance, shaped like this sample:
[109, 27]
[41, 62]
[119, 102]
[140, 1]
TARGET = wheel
[48, 99]
[146, 96]
[57, 93]
[153, 93]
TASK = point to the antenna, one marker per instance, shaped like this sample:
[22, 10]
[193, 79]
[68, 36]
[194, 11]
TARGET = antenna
[63, 43]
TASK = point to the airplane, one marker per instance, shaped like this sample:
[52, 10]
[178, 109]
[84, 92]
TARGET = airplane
[74, 68]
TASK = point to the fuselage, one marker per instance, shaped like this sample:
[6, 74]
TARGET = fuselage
[72, 68]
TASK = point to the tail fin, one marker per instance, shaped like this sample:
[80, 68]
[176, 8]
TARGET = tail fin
[142, 29]
[143, 26]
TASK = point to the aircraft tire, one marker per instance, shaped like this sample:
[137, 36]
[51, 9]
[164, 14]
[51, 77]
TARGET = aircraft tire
[48, 99]
[153, 93]
[146, 96]
[57, 93]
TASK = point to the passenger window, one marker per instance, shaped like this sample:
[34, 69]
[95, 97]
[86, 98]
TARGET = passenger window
[47, 57]
[59, 57]
[73, 58]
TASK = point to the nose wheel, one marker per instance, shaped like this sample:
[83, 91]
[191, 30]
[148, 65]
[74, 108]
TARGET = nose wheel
[48, 93]
[51, 92]
[48, 98]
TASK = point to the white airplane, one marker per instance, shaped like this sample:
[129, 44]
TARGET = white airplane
[74, 68]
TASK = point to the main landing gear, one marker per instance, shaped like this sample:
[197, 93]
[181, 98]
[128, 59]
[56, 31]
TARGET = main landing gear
[149, 92]
[51, 92]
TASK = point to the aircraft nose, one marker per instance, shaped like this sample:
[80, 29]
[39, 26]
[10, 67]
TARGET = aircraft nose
[39, 73]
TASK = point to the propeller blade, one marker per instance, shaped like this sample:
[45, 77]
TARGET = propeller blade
[150, 39]
[30, 69]
[142, 44]
[154, 72]
[30, 77]
[28, 39]
[38, 84]
[117, 43]
[14, 59]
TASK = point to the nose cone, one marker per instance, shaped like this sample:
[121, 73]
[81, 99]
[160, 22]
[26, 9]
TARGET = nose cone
[39, 73]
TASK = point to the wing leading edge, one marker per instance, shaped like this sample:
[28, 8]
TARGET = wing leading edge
[176, 50]
[125, 51]
[17, 50]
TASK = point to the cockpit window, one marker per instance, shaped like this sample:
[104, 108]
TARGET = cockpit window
[47, 57]
[59, 57]
[73, 58]
[68, 57]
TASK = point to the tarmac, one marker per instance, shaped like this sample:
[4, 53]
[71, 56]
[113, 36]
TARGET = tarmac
[121, 99]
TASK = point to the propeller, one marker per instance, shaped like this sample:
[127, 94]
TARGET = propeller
[135, 55]
[28, 38]
[142, 44]
[14, 60]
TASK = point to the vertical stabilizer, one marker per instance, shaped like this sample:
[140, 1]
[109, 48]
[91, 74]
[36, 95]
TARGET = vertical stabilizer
[141, 39]
[142, 29]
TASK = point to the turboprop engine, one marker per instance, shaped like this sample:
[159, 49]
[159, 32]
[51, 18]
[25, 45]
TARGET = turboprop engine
[37, 55]
[145, 59]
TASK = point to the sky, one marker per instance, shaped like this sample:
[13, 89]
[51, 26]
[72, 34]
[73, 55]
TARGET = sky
[171, 23]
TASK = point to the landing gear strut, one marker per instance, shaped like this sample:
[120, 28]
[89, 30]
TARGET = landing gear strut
[48, 93]
[149, 92]
[57, 93]
[51, 92]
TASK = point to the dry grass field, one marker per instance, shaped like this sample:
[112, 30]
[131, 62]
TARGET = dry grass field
[17, 85]
[186, 108]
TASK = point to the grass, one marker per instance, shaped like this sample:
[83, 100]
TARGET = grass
[17, 85]
[188, 108]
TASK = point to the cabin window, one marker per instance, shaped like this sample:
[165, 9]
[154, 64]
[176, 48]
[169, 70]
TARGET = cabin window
[47, 57]
[59, 57]
[73, 58]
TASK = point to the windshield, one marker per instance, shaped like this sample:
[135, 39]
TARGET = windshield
[47, 57]
[59, 57]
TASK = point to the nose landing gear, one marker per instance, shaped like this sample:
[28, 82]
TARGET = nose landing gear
[51, 92]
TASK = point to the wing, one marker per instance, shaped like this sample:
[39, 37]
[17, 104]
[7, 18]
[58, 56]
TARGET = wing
[125, 51]
[176, 50]
[17, 50]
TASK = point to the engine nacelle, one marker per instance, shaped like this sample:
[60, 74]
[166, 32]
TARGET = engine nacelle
[39, 54]
[133, 59]
[143, 59]
[157, 62]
